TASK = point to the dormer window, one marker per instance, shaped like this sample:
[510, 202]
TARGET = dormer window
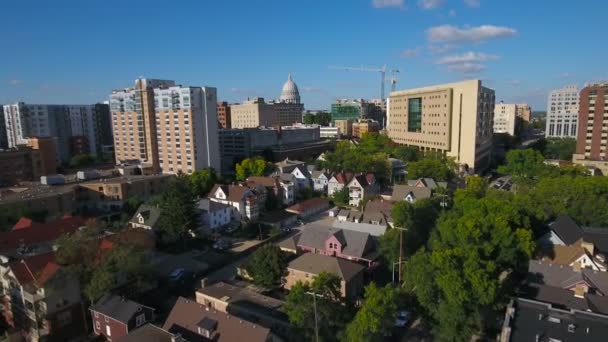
[140, 218]
[207, 327]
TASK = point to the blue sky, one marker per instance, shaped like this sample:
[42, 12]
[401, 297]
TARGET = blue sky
[78, 51]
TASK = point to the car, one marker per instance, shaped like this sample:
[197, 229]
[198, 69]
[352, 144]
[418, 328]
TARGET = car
[177, 274]
[403, 318]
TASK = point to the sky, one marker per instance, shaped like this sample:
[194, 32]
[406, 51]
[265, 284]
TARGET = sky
[76, 52]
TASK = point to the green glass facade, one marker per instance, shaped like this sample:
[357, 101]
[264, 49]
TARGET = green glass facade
[345, 111]
[414, 115]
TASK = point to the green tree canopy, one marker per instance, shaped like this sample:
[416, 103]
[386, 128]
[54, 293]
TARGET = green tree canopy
[202, 181]
[267, 266]
[308, 119]
[83, 160]
[323, 118]
[341, 197]
[375, 318]
[560, 148]
[440, 169]
[177, 205]
[524, 164]
[255, 166]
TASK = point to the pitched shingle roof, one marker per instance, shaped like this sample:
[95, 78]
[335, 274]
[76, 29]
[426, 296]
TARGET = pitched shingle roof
[377, 211]
[308, 204]
[269, 182]
[317, 263]
[148, 333]
[356, 244]
[35, 270]
[211, 206]
[566, 229]
[150, 213]
[234, 193]
[546, 273]
[400, 192]
[186, 314]
[119, 308]
[39, 232]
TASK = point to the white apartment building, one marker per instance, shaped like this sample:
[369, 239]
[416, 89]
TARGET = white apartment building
[562, 112]
[167, 127]
[454, 119]
[505, 118]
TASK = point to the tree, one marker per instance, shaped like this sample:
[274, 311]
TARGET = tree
[341, 197]
[267, 266]
[323, 118]
[430, 167]
[309, 119]
[83, 160]
[376, 316]
[524, 165]
[255, 166]
[407, 153]
[560, 148]
[131, 204]
[332, 312]
[202, 181]
[177, 205]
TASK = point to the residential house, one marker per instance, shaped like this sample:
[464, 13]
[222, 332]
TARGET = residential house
[427, 183]
[196, 322]
[280, 218]
[532, 320]
[359, 187]
[302, 177]
[146, 217]
[242, 200]
[374, 219]
[287, 165]
[338, 181]
[342, 243]
[151, 333]
[564, 231]
[28, 238]
[584, 280]
[320, 180]
[41, 299]
[282, 190]
[114, 316]
[309, 207]
[241, 300]
[410, 193]
[309, 265]
[213, 215]
[378, 212]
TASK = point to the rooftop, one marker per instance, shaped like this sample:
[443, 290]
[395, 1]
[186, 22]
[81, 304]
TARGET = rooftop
[308, 204]
[354, 243]
[317, 263]
[148, 333]
[117, 307]
[36, 233]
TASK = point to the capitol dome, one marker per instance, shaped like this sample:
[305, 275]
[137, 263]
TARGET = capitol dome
[290, 93]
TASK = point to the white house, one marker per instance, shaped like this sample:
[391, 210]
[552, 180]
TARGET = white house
[337, 182]
[359, 187]
[214, 215]
[302, 177]
[242, 200]
[320, 180]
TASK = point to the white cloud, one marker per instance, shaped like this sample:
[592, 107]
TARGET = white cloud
[15, 82]
[469, 57]
[439, 49]
[467, 68]
[430, 4]
[452, 13]
[452, 34]
[411, 53]
[472, 3]
[388, 3]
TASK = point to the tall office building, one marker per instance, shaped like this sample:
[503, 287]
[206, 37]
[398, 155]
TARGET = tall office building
[454, 119]
[223, 114]
[562, 113]
[593, 127]
[169, 128]
[67, 123]
[524, 112]
[505, 118]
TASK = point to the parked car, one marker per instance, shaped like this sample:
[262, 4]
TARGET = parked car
[403, 318]
[221, 245]
[177, 274]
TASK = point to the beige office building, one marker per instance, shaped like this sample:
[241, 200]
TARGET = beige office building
[252, 113]
[345, 127]
[168, 128]
[454, 118]
[524, 112]
[505, 118]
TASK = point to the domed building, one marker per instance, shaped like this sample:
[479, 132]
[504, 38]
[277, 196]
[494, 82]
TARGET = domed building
[290, 93]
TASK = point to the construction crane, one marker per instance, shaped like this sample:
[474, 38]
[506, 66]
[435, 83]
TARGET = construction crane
[382, 72]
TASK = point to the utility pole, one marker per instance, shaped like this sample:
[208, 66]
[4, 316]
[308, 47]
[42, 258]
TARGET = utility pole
[314, 301]
[400, 250]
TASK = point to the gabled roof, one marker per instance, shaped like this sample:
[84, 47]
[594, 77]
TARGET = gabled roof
[35, 270]
[546, 273]
[317, 263]
[308, 204]
[149, 333]
[23, 222]
[211, 206]
[377, 211]
[234, 193]
[361, 179]
[342, 177]
[566, 298]
[117, 307]
[427, 183]
[320, 174]
[150, 213]
[375, 230]
[302, 170]
[39, 232]
[567, 230]
[400, 192]
[564, 255]
[269, 182]
[357, 244]
[186, 314]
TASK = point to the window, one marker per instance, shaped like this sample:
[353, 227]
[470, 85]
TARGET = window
[414, 119]
[140, 319]
[108, 331]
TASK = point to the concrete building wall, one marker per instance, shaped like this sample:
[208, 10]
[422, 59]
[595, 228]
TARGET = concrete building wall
[562, 113]
[288, 113]
[252, 113]
[454, 119]
[524, 112]
[505, 118]
[345, 127]
[593, 122]
[223, 114]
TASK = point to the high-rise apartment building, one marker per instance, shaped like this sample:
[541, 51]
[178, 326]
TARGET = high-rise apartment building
[223, 114]
[505, 118]
[524, 112]
[90, 122]
[593, 127]
[454, 119]
[166, 127]
[562, 113]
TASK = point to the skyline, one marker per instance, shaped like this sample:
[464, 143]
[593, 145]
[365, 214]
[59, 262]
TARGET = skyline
[67, 54]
